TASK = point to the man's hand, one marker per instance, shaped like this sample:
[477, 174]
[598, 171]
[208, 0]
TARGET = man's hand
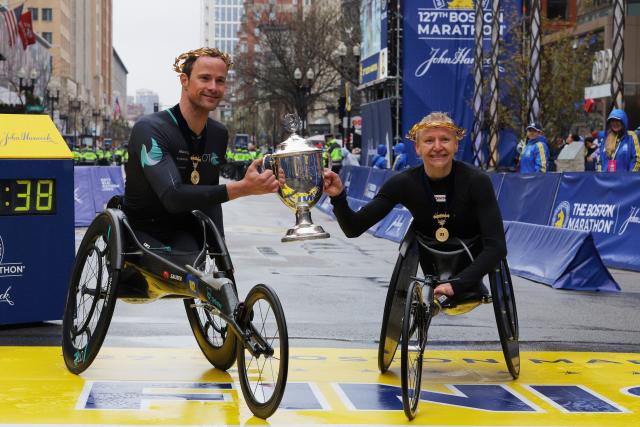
[443, 289]
[332, 183]
[254, 183]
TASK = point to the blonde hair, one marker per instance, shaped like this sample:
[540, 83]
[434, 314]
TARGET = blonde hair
[437, 119]
[610, 144]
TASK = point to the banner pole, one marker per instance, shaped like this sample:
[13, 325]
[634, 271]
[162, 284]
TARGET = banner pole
[478, 116]
[534, 64]
[617, 81]
[493, 85]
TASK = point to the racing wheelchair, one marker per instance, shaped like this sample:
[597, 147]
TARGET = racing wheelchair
[410, 306]
[112, 263]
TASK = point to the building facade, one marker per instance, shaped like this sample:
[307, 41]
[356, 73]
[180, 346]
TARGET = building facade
[118, 86]
[148, 99]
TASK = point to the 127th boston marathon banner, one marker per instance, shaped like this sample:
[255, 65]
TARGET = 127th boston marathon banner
[437, 60]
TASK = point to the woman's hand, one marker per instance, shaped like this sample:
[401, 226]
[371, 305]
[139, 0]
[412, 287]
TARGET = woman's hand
[332, 183]
[443, 289]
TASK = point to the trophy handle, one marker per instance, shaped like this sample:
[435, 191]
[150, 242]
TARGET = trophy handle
[267, 162]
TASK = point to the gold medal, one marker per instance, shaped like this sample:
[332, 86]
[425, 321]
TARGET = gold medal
[442, 234]
[195, 177]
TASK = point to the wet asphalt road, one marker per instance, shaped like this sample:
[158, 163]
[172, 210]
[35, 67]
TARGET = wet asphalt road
[333, 294]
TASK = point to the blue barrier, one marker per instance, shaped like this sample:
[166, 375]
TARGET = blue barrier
[93, 187]
[607, 205]
[374, 182]
[84, 203]
[528, 198]
[394, 226]
[354, 180]
[107, 182]
[496, 181]
[560, 258]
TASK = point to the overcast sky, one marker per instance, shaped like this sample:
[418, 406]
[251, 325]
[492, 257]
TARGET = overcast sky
[148, 35]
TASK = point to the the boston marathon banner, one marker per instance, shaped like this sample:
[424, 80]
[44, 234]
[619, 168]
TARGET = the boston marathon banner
[437, 58]
[607, 205]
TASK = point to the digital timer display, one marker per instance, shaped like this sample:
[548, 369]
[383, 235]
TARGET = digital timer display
[27, 196]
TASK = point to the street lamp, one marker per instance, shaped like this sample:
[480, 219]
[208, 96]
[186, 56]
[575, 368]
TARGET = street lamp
[106, 119]
[303, 89]
[96, 113]
[349, 68]
[27, 88]
[52, 100]
[75, 105]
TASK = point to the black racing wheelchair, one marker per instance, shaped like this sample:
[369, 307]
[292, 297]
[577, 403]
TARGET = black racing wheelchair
[410, 306]
[112, 263]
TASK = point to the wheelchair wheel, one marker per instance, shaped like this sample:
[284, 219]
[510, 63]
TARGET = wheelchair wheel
[263, 376]
[504, 306]
[217, 342]
[414, 339]
[91, 297]
[391, 331]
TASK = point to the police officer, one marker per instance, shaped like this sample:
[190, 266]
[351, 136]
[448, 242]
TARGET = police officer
[334, 151]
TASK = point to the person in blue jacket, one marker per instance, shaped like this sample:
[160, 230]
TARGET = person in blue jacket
[379, 160]
[620, 151]
[401, 161]
[535, 155]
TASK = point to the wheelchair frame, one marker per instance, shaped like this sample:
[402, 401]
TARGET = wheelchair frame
[120, 273]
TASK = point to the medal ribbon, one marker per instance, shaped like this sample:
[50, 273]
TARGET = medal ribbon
[441, 207]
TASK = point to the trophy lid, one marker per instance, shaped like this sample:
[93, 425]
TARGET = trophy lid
[295, 143]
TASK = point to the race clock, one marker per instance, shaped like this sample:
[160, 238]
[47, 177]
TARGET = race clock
[37, 236]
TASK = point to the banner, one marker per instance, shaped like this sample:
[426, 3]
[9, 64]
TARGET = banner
[354, 180]
[438, 72]
[376, 129]
[84, 204]
[107, 182]
[608, 206]
[528, 197]
[373, 26]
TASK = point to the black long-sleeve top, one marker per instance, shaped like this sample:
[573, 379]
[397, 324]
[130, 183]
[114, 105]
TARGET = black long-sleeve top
[474, 211]
[158, 191]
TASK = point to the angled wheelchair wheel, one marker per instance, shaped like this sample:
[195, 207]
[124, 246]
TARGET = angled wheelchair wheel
[504, 306]
[217, 342]
[391, 331]
[414, 339]
[91, 297]
[263, 375]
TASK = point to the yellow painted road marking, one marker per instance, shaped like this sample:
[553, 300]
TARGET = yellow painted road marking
[332, 386]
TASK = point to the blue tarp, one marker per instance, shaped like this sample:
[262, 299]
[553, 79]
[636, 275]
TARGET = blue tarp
[560, 258]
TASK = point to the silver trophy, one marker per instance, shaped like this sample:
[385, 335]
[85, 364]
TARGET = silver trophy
[297, 164]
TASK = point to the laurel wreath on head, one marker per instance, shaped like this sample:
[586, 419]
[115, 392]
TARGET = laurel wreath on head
[212, 52]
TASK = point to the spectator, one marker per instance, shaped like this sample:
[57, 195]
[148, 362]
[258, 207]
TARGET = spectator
[535, 155]
[590, 153]
[353, 158]
[401, 161]
[380, 160]
[620, 151]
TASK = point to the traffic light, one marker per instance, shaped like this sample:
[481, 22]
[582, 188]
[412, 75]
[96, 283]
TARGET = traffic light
[342, 107]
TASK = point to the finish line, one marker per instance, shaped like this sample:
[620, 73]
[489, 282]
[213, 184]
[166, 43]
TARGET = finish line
[134, 386]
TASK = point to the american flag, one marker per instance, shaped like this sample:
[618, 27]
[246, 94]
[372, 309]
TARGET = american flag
[11, 19]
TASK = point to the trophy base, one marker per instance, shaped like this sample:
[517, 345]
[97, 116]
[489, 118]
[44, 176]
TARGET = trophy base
[305, 232]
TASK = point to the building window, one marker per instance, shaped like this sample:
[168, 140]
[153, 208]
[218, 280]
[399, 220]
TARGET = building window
[47, 14]
[48, 37]
[557, 9]
[34, 13]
